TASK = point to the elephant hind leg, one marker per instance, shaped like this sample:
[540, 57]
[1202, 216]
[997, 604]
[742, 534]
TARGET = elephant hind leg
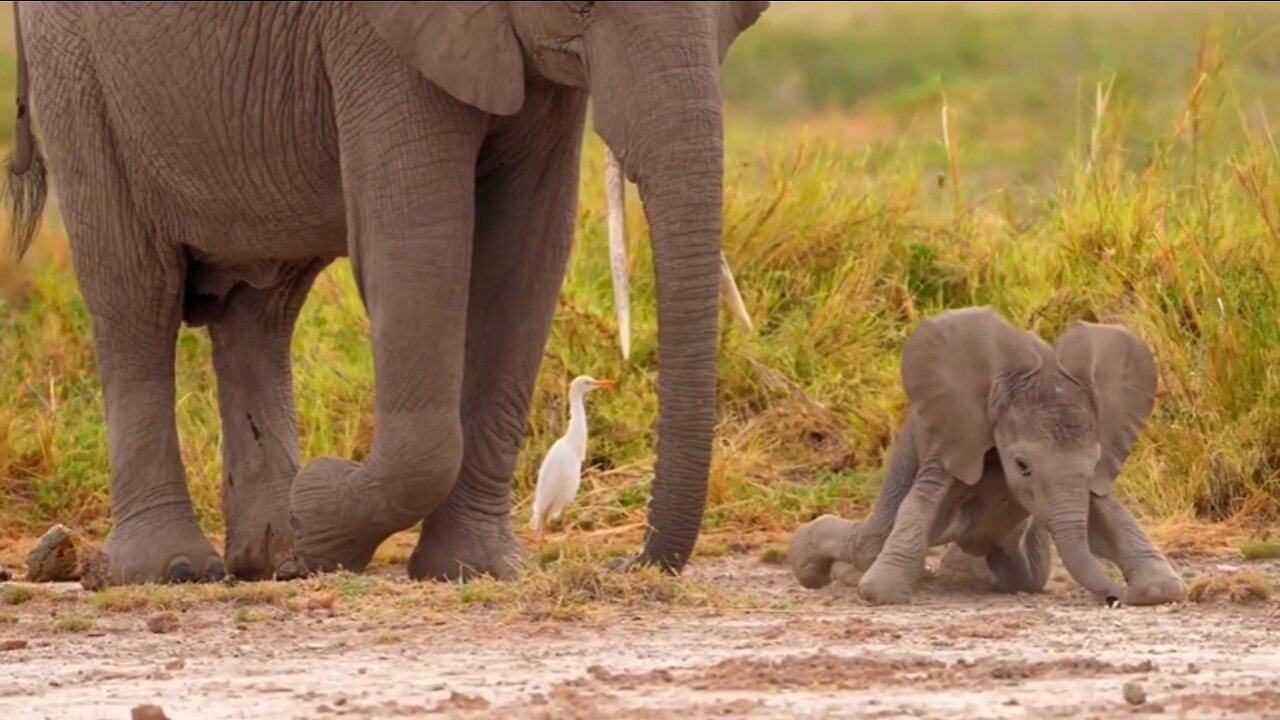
[1021, 562]
[132, 282]
[251, 356]
[524, 231]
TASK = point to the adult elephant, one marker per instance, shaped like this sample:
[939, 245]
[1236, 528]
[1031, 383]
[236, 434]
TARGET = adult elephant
[214, 157]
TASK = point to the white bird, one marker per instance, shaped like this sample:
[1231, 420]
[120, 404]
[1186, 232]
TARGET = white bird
[561, 471]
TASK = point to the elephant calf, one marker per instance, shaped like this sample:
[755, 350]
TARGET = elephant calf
[1008, 442]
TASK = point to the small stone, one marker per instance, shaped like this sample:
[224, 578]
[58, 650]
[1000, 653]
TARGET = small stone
[148, 712]
[11, 645]
[163, 622]
[55, 558]
[1134, 693]
[175, 665]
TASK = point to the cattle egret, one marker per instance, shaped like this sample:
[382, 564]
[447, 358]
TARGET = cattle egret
[561, 471]
[615, 220]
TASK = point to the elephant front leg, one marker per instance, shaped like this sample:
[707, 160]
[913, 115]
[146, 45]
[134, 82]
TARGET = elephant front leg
[524, 232]
[252, 359]
[408, 168]
[1115, 535]
[897, 569]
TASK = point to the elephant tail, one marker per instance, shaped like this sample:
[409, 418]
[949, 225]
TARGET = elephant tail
[27, 182]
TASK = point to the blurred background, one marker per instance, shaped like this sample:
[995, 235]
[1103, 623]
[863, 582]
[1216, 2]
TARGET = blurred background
[1059, 160]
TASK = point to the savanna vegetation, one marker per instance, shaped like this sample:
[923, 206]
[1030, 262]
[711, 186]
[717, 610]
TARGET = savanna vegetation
[885, 161]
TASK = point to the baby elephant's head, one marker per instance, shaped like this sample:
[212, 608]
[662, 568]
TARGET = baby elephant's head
[1063, 419]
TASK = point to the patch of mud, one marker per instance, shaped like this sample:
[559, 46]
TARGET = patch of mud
[824, 670]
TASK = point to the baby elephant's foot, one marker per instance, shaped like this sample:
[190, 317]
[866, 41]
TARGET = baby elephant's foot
[1155, 589]
[882, 585]
[814, 547]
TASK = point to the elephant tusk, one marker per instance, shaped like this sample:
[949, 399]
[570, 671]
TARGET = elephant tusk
[615, 200]
[615, 218]
[733, 298]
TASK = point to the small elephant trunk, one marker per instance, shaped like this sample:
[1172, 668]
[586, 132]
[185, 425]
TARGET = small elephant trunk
[1068, 526]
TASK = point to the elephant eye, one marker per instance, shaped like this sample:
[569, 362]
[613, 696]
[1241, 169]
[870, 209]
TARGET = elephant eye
[580, 7]
[1023, 468]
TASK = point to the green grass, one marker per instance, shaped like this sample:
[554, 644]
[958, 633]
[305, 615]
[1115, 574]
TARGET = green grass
[1260, 549]
[847, 220]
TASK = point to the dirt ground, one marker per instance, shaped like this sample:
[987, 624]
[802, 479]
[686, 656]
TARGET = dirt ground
[769, 649]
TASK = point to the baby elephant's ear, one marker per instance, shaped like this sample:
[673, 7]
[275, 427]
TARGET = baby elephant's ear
[1119, 369]
[949, 366]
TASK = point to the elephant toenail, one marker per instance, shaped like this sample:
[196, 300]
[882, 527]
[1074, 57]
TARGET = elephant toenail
[288, 570]
[180, 572]
[214, 569]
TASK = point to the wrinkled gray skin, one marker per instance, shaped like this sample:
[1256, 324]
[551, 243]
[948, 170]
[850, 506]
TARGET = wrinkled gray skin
[1008, 443]
[214, 157]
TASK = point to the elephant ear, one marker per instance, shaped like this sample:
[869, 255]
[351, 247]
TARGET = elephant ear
[1118, 368]
[950, 365]
[467, 48]
[735, 18]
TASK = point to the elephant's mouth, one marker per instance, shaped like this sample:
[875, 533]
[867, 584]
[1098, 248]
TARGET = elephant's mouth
[615, 220]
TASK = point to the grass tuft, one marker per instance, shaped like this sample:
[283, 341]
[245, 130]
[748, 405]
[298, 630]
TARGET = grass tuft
[15, 595]
[1260, 549]
[72, 623]
[1237, 589]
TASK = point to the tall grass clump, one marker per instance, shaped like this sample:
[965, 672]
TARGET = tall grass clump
[1147, 194]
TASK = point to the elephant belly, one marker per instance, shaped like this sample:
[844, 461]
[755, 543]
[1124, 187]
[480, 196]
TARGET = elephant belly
[223, 121]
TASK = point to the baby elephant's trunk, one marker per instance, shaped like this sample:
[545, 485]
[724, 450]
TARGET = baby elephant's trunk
[1068, 525]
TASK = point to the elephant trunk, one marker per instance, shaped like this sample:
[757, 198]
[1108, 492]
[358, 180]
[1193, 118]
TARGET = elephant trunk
[1067, 522]
[661, 117]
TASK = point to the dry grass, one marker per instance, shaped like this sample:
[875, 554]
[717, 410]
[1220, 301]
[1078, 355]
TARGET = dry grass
[1236, 589]
[577, 586]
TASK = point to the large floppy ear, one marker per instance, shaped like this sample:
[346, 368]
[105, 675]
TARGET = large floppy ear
[950, 365]
[1118, 368]
[467, 48]
[735, 18]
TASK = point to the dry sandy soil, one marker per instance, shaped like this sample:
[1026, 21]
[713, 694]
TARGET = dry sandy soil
[737, 637]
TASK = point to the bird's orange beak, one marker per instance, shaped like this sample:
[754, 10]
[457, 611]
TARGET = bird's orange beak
[606, 383]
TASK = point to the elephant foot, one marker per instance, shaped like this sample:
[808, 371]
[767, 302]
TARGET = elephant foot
[461, 546]
[1155, 589]
[167, 551]
[814, 547]
[882, 585]
[261, 548]
[337, 516]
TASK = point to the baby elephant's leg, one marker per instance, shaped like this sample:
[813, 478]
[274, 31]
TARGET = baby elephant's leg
[816, 546]
[1115, 535]
[1022, 560]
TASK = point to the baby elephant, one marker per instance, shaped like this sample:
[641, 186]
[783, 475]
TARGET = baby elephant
[1008, 442]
